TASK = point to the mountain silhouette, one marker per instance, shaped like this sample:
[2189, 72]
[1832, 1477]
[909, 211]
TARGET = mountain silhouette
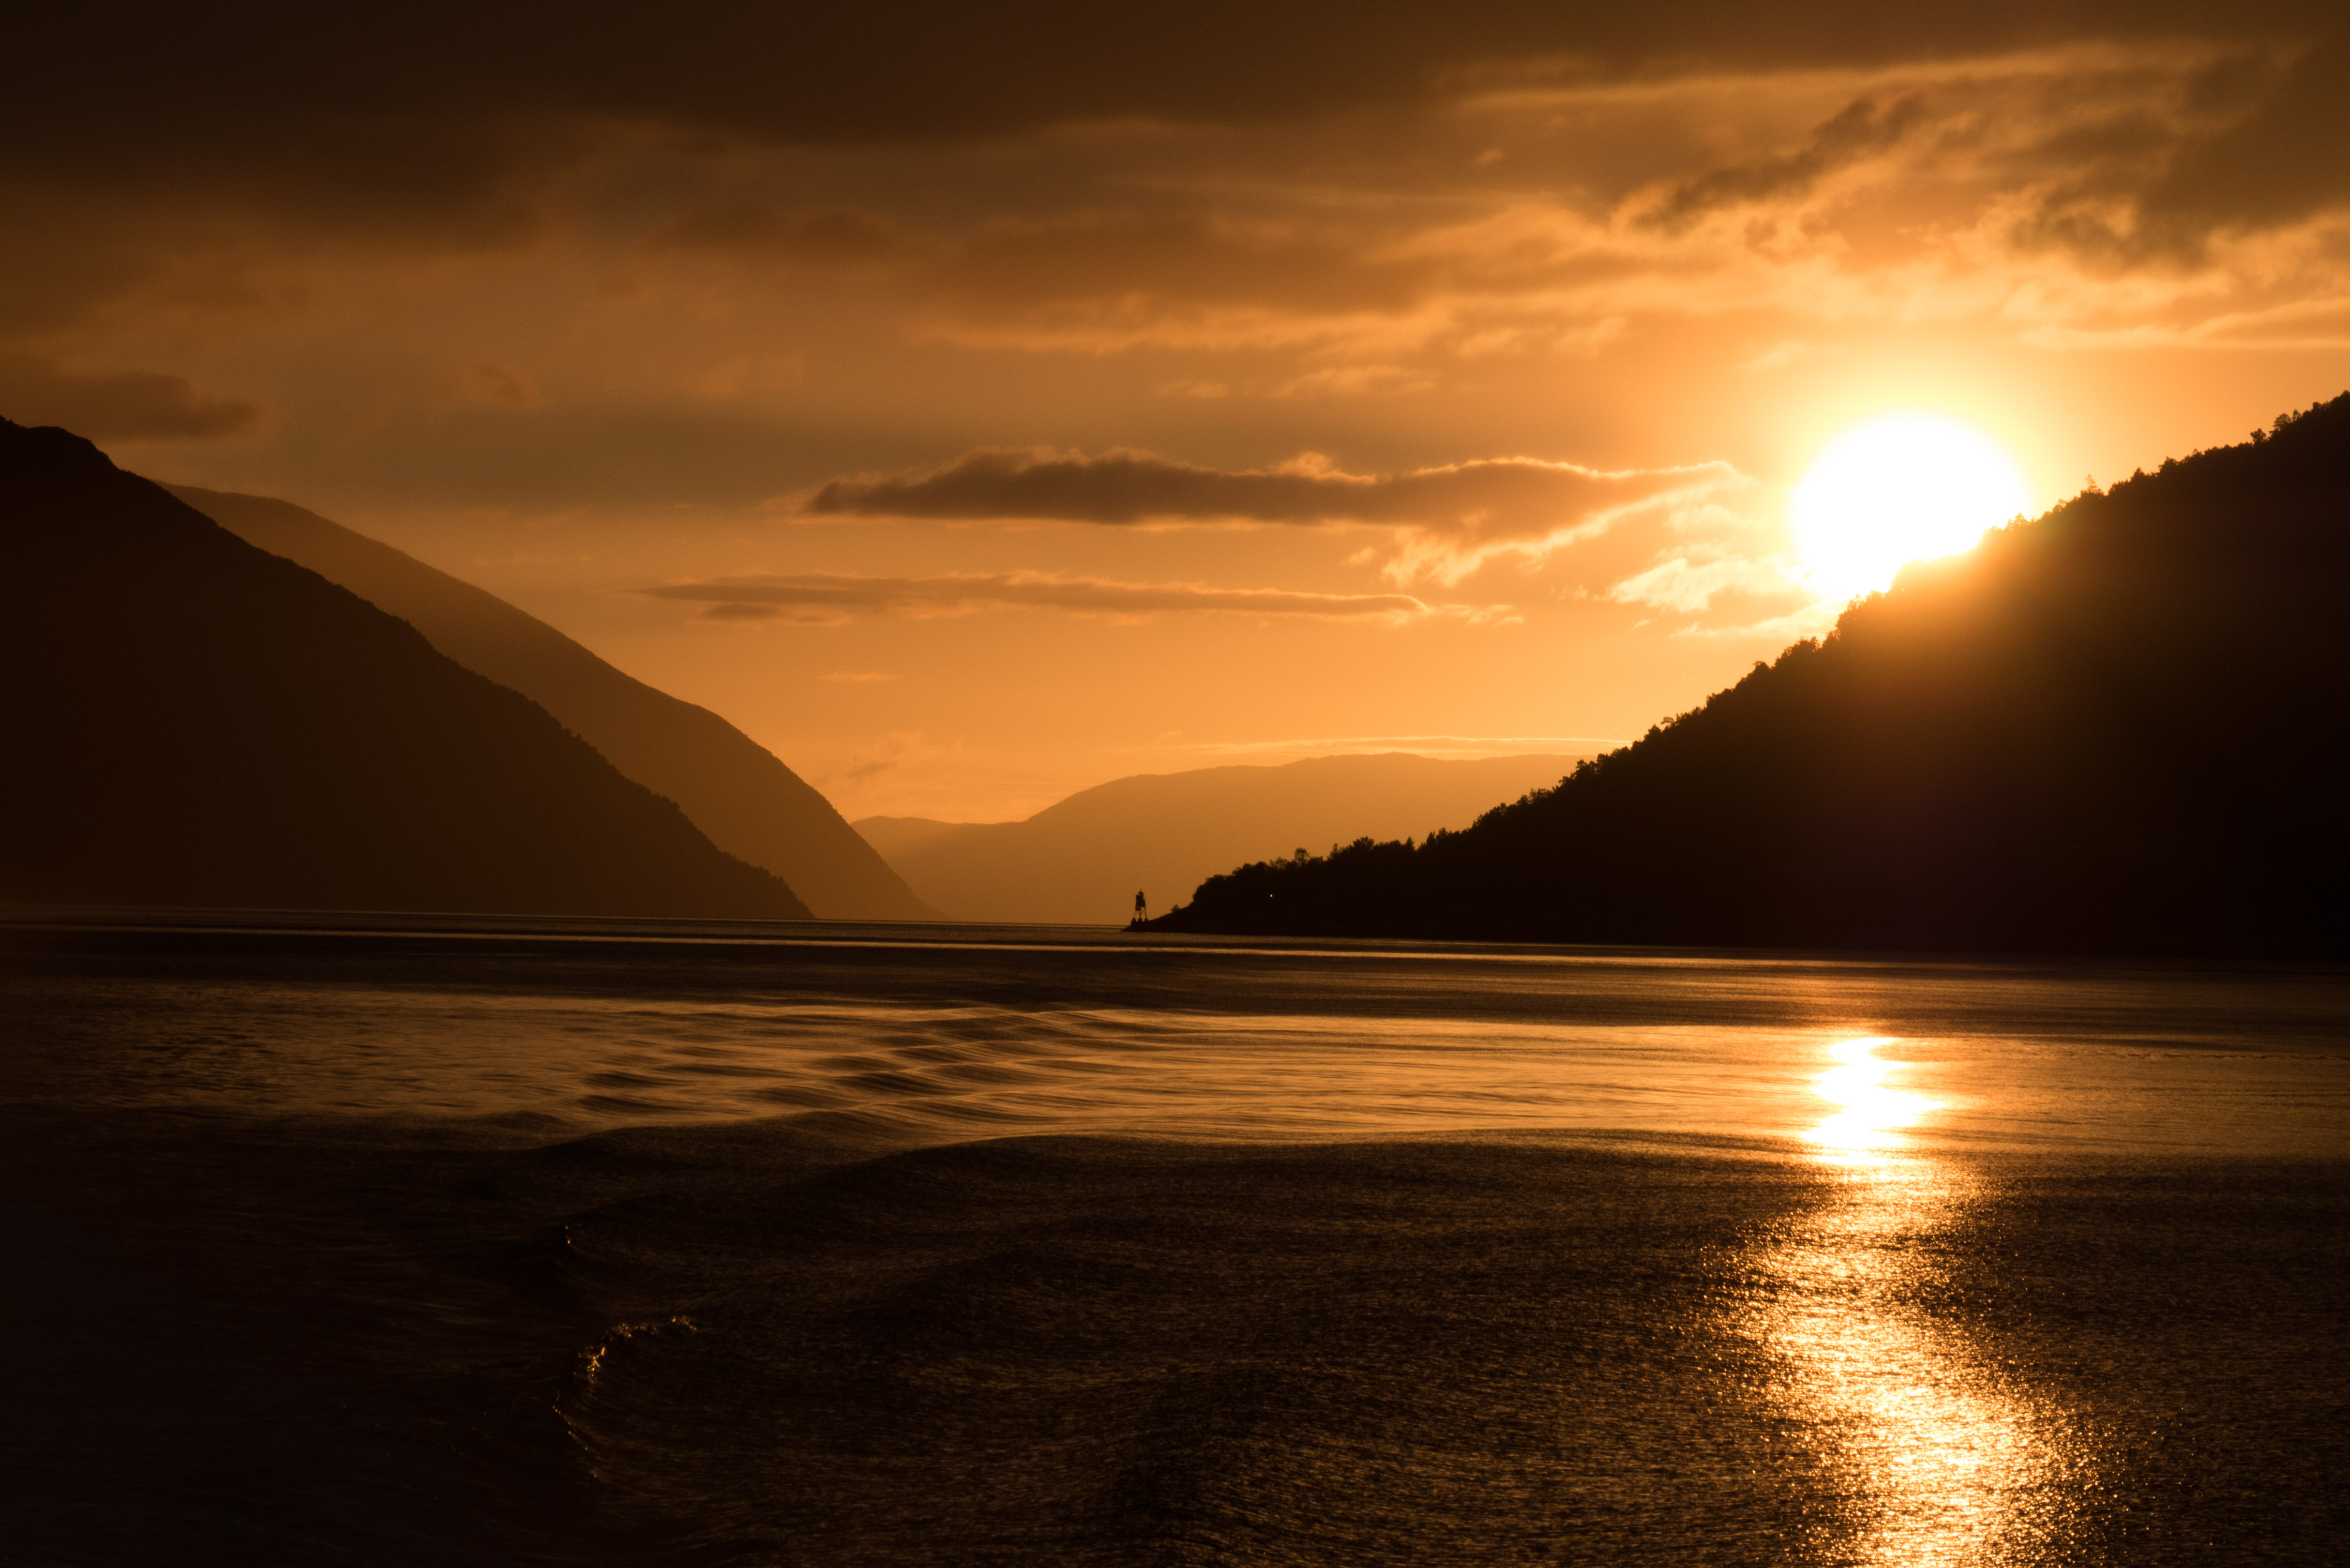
[2118, 728]
[193, 720]
[1084, 859]
[734, 790]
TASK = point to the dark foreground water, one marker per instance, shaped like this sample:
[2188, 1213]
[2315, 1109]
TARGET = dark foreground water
[496, 1242]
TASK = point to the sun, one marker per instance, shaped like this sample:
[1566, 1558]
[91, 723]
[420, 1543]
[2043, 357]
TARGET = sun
[1903, 488]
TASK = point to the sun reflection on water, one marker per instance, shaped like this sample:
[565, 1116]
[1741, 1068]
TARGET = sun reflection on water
[1942, 1459]
[1872, 1113]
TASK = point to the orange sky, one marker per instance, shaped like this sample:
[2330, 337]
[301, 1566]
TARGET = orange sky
[973, 414]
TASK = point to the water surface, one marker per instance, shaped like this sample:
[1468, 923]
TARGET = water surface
[500, 1241]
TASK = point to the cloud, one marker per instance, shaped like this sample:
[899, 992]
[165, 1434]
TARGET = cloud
[2043, 186]
[463, 118]
[1690, 583]
[1654, 538]
[897, 752]
[728, 294]
[2275, 155]
[2305, 323]
[833, 599]
[1781, 354]
[1449, 517]
[2148, 170]
[1858, 130]
[277, 92]
[1015, 182]
[123, 405]
[1704, 555]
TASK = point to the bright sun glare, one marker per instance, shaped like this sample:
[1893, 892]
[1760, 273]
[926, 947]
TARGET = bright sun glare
[1904, 488]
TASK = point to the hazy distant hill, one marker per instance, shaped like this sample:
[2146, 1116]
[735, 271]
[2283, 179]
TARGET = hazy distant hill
[734, 789]
[191, 721]
[2120, 728]
[1085, 858]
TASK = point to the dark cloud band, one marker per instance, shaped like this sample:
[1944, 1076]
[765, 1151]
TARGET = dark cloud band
[1130, 487]
[147, 89]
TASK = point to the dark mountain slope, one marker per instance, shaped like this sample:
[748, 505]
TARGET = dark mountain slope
[2118, 728]
[1085, 858]
[192, 721]
[732, 788]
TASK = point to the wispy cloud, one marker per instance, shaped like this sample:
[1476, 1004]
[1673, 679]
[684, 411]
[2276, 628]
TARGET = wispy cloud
[833, 599]
[1451, 746]
[1855, 132]
[2302, 324]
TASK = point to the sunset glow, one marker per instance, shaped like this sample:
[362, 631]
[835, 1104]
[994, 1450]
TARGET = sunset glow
[1170, 399]
[1904, 488]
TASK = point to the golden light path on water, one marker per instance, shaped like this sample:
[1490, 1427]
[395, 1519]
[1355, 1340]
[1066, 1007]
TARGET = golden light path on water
[1954, 1464]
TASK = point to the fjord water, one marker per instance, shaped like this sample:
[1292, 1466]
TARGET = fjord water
[401, 1241]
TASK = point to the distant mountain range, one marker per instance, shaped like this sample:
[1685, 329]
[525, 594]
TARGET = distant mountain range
[2119, 728]
[193, 720]
[731, 788]
[1083, 860]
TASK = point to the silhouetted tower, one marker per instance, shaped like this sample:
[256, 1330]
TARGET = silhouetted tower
[1141, 908]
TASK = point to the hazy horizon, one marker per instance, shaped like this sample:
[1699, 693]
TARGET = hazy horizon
[1161, 835]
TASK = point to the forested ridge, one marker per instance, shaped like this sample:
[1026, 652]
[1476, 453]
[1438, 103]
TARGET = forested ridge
[2115, 728]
